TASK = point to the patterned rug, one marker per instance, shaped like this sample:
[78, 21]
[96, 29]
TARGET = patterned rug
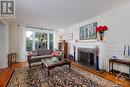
[59, 77]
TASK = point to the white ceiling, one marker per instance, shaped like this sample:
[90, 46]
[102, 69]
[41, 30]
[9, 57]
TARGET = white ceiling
[61, 13]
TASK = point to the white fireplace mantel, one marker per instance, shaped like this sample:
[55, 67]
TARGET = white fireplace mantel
[92, 45]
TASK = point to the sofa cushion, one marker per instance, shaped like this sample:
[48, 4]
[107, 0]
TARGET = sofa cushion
[44, 52]
[40, 52]
[44, 56]
[56, 53]
[34, 53]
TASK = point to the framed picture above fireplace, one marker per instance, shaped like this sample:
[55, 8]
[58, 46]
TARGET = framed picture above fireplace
[88, 32]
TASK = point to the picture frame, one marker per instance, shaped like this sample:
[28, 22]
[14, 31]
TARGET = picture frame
[70, 36]
[88, 32]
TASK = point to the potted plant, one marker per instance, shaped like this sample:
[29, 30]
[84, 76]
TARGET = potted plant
[101, 30]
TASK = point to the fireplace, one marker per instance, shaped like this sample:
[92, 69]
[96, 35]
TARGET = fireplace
[88, 57]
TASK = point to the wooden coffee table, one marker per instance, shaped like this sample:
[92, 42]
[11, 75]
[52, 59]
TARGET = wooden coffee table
[55, 62]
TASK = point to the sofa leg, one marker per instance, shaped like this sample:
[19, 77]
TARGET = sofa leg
[29, 65]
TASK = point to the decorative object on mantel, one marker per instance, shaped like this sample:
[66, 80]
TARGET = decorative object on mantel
[74, 47]
[74, 52]
[101, 30]
[97, 57]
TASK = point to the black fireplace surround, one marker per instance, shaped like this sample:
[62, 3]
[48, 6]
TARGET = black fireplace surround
[88, 57]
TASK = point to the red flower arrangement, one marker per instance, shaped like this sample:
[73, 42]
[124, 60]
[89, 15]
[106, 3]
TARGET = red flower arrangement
[101, 29]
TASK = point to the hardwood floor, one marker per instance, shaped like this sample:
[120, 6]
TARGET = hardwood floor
[5, 74]
[104, 74]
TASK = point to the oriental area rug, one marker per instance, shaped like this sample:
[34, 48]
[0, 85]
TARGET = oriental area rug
[36, 76]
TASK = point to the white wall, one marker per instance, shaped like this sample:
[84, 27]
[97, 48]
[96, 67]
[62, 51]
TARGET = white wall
[18, 41]
[4, 44]
[118, 22]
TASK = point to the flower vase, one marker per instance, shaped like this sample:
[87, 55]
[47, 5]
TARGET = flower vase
[101, 36]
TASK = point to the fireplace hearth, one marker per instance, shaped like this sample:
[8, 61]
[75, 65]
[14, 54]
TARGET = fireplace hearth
[87, 56]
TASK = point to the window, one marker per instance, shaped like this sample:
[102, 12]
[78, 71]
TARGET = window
[29, 40]
[39, 40]
[51, 41]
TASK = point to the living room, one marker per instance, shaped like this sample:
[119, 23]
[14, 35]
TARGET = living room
[69, 22]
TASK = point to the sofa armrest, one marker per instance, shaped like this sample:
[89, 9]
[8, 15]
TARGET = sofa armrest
[29, 56]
